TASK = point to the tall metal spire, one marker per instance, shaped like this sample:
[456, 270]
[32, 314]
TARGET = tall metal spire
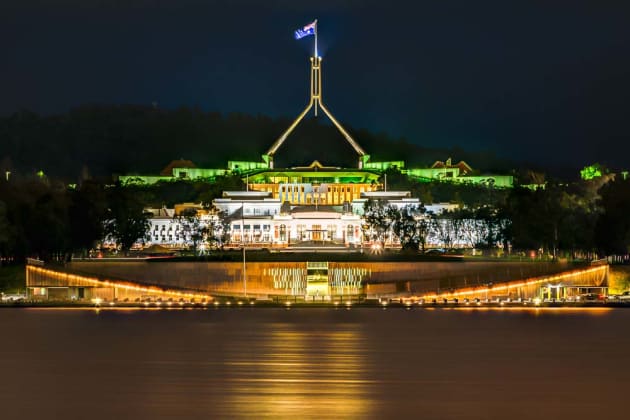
[315, 101]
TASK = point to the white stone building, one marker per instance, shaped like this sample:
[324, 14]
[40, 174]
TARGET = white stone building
[257, 220]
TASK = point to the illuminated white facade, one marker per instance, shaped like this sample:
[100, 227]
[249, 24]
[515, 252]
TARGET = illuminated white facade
[255, 219]
[259, 220]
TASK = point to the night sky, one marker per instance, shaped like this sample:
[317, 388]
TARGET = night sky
[544, 81]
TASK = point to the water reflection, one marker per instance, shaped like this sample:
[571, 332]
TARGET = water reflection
[472, 363]
[533, 309]
[293, 373]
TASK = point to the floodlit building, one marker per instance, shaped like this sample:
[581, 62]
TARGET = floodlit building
[259, 220]
[318, 182]
[256, 219]
[314, 204]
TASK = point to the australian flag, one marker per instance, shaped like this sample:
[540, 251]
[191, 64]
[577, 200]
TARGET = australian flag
[306, 30]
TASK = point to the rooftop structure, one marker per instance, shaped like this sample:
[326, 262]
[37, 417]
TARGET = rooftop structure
[314, 103]
[318, 183]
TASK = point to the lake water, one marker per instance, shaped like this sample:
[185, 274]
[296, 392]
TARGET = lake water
[314, 363]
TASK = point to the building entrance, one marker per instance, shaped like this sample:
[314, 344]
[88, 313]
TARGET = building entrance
[316, 233]
[317, 279]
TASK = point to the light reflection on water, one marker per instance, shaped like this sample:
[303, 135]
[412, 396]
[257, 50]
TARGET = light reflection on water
[284, 377]
[534, 309]
[318, 363]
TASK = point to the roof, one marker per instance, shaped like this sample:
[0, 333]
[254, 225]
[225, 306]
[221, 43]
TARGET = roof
[315, 166]
[385, 194]
[310, 208]
[463, 166]
[179, 163]
[247, 194]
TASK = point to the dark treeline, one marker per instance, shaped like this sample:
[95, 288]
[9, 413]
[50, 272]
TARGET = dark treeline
[45, 218]
[106, 140]
[569, 220]
[586, 217]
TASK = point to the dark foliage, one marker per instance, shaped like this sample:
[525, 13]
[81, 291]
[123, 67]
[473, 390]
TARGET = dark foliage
[142, 140]
[44, 218]
[613, 227]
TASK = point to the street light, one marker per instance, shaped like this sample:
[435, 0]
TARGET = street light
[243, 241]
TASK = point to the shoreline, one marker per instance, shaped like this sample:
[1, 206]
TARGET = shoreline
[240, 304]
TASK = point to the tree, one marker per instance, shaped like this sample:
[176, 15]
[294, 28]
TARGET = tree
[534, 219]
[48, 227]
[209, 191]
[465, 224]
[218, 229]
[410, 226]
[377, 220]
[613, 227]
[444, 227]
[487, 225]
[126, 220]
[592, 171]
[5, 232]
[87, 213]
[192, 228]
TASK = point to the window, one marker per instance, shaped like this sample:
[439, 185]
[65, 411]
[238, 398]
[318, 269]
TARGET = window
[332, 231]
[301, 232]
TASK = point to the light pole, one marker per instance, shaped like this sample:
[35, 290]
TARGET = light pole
[243, 243]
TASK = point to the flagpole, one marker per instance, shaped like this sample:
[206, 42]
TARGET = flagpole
[315, 82]
[316, 55]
